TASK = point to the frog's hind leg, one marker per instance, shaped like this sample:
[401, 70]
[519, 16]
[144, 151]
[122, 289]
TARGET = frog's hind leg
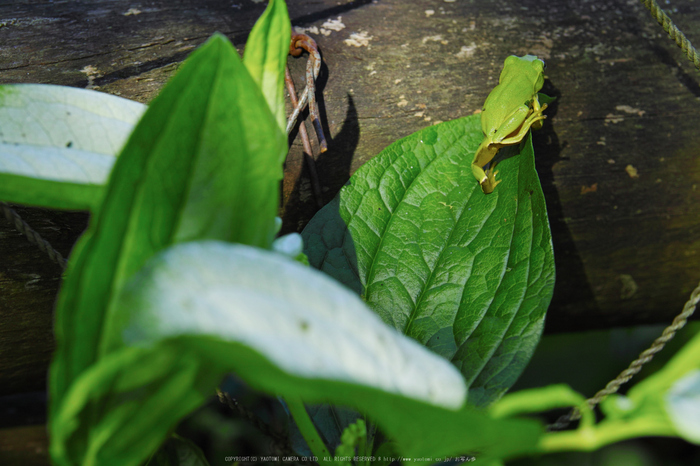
[537, 109]
[489, 183]
[486, 178]
[535, 117]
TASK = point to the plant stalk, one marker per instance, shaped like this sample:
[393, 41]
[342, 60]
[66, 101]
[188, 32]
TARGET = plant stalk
[593, 438]
[308, 431]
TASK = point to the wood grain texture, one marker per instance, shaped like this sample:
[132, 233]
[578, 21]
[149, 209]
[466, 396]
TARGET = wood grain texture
[626, 97]
[26, 445]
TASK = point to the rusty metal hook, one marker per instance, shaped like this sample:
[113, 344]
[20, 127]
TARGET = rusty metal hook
[298, 44]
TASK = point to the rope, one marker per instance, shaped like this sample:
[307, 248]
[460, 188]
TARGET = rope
[636, 365]
[674, 33]
[33, 237]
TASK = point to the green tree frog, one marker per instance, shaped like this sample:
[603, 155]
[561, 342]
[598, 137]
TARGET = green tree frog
[510, 110]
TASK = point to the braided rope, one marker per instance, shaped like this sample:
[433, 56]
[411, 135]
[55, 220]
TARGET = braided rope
[33, 237]
[674, 33]
[612, 387]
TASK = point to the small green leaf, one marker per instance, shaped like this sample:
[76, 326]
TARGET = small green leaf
[536, 400]
[545, 99]
[266, 53]
[58, 144]
[202, 163]
[468, 275]
[352, 442]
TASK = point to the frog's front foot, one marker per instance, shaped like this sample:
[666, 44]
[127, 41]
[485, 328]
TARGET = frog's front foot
[489, 183]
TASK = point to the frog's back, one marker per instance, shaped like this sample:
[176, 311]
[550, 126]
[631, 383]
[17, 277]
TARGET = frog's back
[504, 99]
[519, 82]
[507, 95]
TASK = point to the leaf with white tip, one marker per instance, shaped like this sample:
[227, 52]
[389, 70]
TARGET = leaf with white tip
[58, 144]
[683, 406]
[304, 322]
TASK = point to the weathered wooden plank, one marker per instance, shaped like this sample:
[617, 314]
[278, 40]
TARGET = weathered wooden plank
[625, 97]
[26, 445]
[28, 285]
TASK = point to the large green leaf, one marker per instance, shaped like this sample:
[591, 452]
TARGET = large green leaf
[469, 275]
[202, 163]
[266, 53]
[58, 144]
[200, 310]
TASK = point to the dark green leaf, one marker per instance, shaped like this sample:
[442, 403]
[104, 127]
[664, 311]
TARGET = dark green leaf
[545, 99]
[467, 274]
